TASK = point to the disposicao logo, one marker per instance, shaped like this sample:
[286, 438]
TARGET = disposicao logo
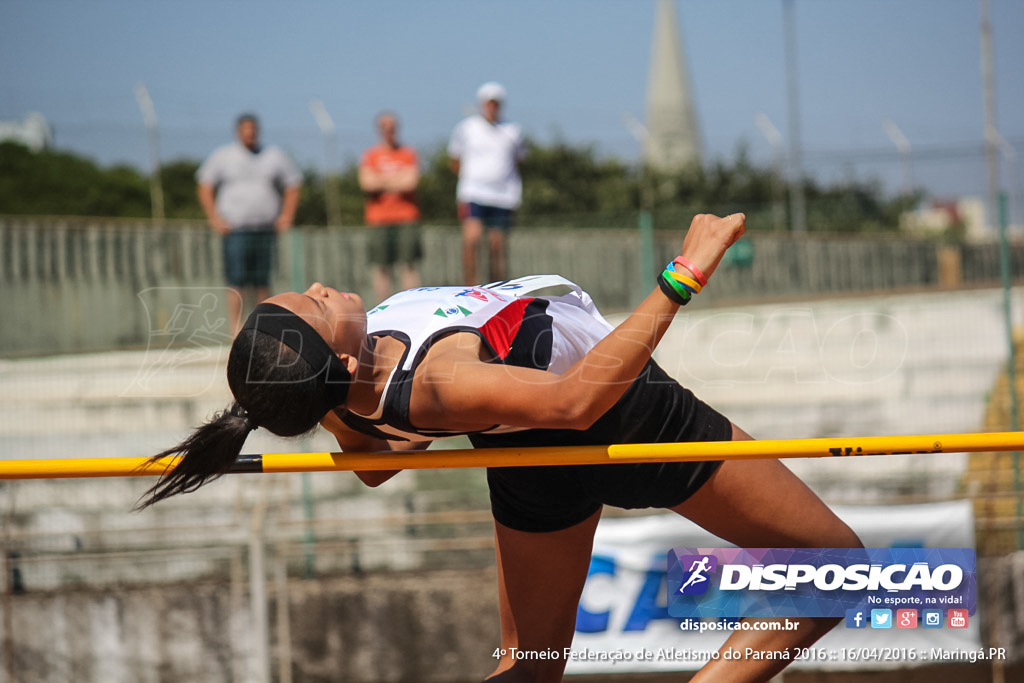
[819, 582]
[695, 581]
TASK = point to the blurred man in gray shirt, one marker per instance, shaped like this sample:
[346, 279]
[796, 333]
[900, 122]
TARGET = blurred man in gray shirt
[249, 194]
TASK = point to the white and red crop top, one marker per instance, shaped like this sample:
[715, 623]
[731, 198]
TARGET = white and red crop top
[521, 321]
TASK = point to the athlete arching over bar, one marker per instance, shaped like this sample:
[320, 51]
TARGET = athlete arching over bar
[511, 366]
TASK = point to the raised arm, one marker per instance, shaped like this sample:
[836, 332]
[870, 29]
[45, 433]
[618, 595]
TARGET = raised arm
[461, 394]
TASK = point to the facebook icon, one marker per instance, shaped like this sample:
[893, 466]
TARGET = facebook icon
[856, 618]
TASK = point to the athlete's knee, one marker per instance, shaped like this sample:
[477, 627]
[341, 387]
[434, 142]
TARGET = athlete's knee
[844, 537]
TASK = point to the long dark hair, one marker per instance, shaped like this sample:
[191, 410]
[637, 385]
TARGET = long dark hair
[274, 387]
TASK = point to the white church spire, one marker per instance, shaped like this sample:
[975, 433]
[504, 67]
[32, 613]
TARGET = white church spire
[673, 139]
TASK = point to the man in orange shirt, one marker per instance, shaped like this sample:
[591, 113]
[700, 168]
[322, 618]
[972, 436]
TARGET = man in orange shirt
[388, 174]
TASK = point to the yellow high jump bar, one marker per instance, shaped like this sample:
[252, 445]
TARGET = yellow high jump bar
[542, 455]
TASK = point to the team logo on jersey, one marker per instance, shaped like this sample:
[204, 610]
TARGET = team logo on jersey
[452, 310]
[477, 294]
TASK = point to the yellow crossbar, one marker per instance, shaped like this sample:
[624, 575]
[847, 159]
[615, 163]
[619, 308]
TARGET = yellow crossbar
[544, 455]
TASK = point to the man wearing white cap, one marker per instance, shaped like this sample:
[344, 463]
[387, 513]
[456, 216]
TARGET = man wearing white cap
[485, 153]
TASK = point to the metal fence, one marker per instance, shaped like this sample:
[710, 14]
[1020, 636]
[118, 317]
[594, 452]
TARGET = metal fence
[82, 285]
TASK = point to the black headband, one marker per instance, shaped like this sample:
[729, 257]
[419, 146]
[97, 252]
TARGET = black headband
[295, 333]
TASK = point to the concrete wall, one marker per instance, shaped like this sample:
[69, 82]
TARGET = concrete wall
[438, 626]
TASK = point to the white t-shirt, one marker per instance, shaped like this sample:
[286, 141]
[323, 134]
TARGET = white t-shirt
[488, 155]
[248, 185]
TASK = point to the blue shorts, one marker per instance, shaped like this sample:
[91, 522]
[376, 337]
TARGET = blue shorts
[491, 216]
[248, 257]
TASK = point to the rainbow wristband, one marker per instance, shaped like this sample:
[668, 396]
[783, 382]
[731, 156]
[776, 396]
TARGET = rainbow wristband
[688, 264]
[673, 289]
[687, 282]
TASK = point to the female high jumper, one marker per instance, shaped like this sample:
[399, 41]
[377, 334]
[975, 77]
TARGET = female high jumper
[512, 364]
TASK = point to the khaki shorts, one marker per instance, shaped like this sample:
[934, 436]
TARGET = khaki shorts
[398, 243]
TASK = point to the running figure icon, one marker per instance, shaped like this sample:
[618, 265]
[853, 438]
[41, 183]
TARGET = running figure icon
[697, 570]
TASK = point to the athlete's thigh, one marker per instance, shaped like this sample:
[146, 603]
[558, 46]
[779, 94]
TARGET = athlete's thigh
[761, 503]
[541, 577]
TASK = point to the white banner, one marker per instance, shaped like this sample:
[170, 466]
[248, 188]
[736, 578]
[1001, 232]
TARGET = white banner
[623, 623]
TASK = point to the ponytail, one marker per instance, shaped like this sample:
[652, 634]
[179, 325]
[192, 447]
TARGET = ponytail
[206, 454]
[280, 389]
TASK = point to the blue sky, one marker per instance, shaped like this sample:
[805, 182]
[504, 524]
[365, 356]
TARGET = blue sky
[571, 67]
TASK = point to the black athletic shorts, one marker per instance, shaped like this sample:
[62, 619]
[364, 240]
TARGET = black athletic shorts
[655, 409]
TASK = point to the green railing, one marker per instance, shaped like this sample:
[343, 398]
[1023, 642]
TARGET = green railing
[83, 285]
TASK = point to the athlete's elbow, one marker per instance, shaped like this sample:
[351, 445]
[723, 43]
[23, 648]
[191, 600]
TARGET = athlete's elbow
[584, 423]
[374, 478]
[575, 414]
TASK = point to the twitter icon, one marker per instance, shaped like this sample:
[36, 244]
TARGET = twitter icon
[881, 618]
